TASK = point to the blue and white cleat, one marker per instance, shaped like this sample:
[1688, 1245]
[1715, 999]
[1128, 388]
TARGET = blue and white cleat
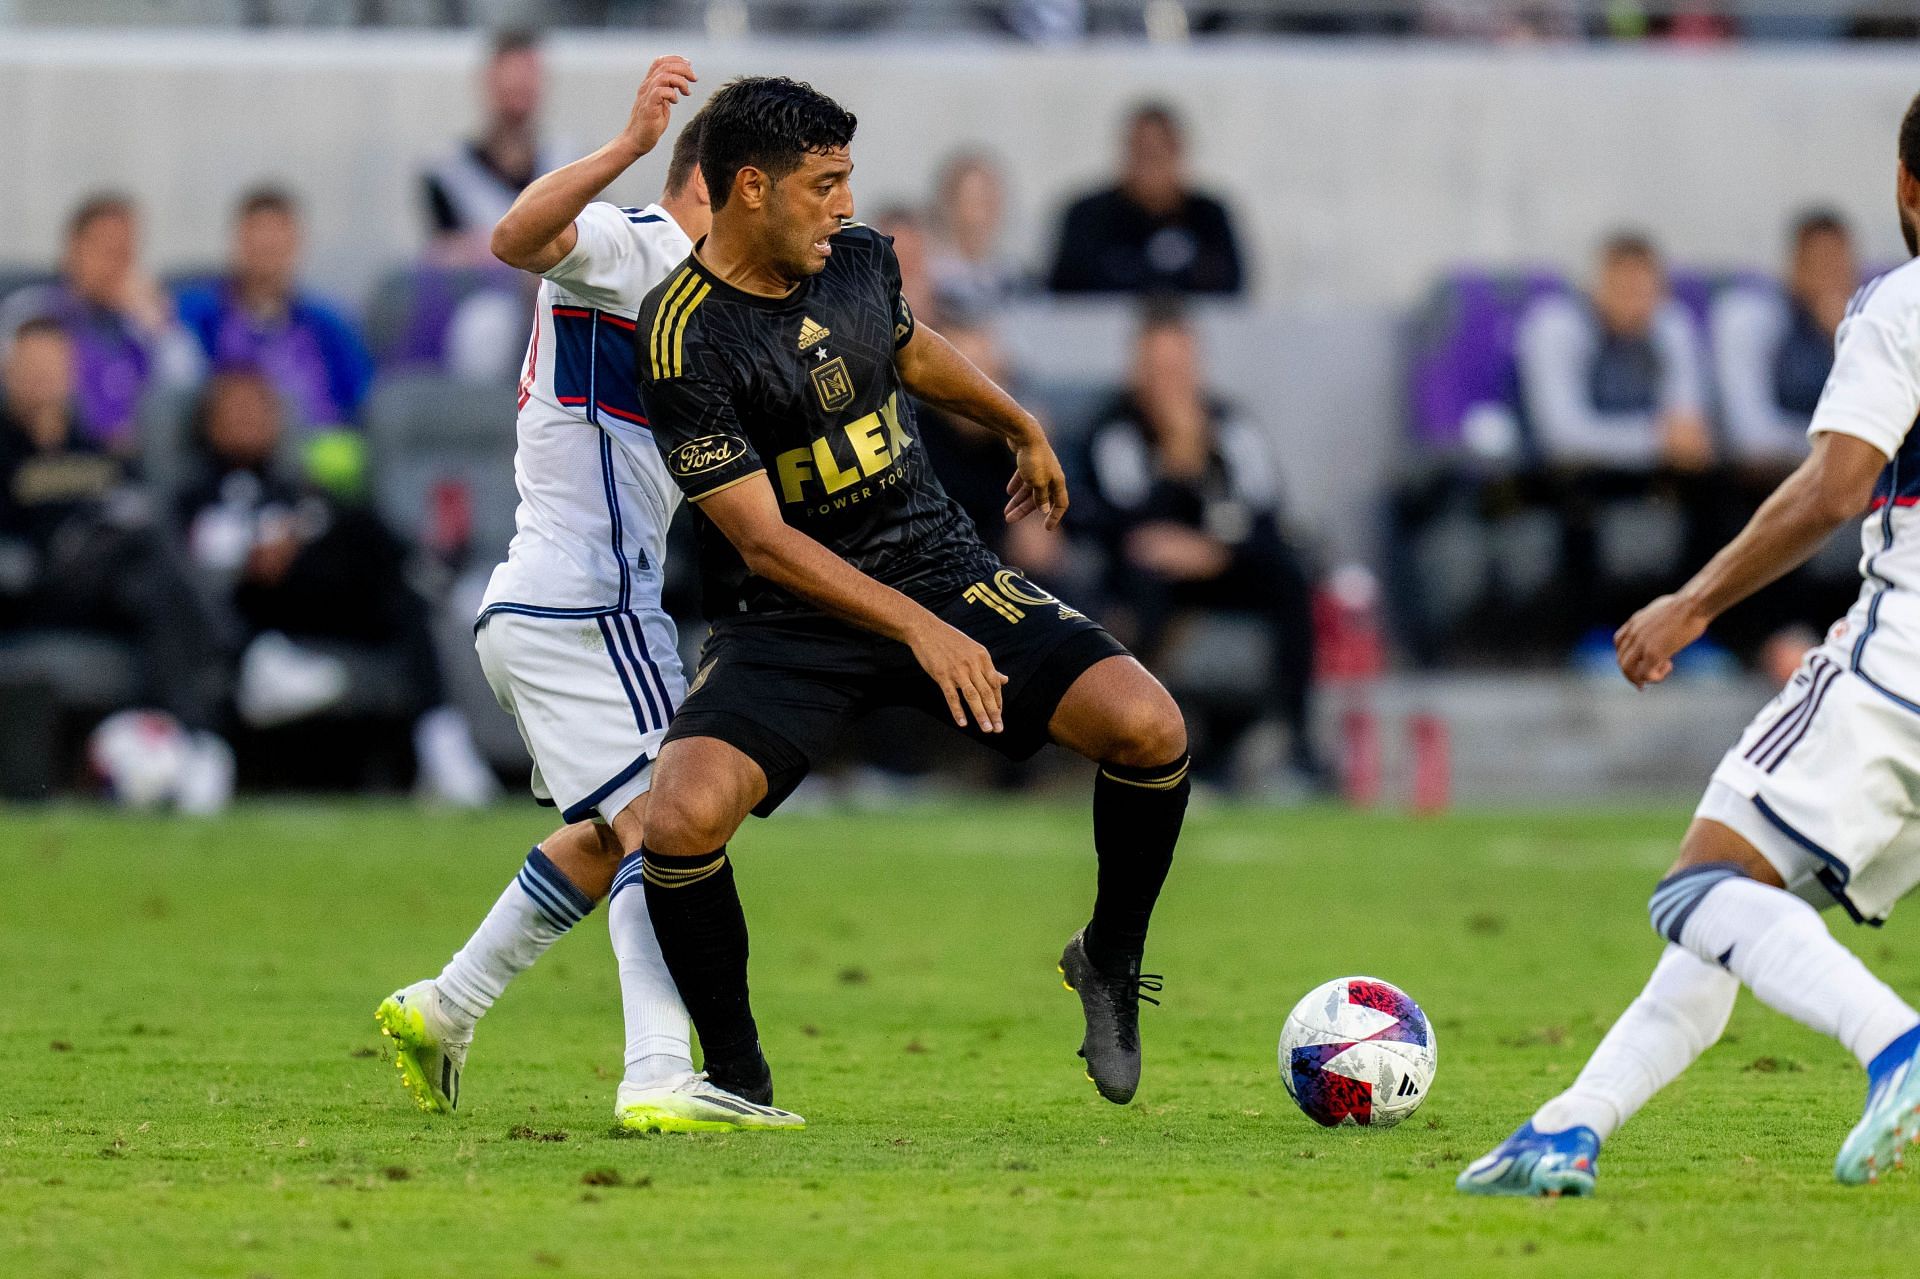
[1536, 1163]
[1892, 1119]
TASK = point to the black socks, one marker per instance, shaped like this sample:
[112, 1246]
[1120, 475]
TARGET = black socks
[703, 938]
[1136, 821]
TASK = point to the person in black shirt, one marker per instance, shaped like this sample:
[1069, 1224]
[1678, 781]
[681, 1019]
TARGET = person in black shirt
[775, 368]
[1151, 233]
[80, 549]
[1187, 503]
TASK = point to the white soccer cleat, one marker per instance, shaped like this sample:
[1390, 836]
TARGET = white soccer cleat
[693, 1104]
[428, 1049]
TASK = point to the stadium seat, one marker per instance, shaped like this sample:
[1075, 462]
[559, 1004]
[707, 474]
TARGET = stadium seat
[412, 309]
[1460, 349]
[437, 444]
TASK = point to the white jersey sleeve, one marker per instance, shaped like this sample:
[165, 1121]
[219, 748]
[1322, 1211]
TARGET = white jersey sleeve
[614, 263]
[1873, 392]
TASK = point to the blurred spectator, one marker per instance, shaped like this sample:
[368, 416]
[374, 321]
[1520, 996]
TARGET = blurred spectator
[1616, 379]
[1502, 21]
[79, 551]
[125, 335]
[259, 318]
[1186, 497]
[1773, 346]
[1151, 232]
[471, 190]
[971, 273]
[974, 465]
[300, 567]
[910, 243]
[315, 583]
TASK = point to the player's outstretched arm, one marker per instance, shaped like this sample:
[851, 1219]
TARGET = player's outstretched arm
[1831, 488]
[749, 514]
[936, 373]
[537, 232]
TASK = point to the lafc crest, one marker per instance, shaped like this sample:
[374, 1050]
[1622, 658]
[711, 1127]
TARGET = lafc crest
[833, 384]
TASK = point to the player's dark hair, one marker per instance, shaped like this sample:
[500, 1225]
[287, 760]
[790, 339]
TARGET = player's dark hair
[39, 326]
[1819, 222]
[266, 198]
[686, 152]
[1634, 246]
[101, 204]
[768, 123]
[1910, 137]
[512, 40]
[1160, 115]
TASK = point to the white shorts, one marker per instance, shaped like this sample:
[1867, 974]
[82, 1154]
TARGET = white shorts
[591, 696]
[1824, 783]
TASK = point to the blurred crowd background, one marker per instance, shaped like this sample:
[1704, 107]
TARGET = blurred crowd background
[256, 364]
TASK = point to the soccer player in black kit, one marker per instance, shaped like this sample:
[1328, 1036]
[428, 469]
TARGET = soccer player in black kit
[775, 369]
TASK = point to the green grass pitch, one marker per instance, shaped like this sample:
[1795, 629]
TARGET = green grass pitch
[191, 1082]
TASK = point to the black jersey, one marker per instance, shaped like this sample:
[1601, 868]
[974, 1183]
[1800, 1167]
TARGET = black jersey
[803, 389]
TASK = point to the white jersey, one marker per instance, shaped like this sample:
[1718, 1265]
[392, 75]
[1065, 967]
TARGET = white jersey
[595, 497]
[1873, 394]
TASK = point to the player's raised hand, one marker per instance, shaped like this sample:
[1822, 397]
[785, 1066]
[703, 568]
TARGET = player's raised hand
[963, 669]
[668, 80]
[1038, 484]
[1645, 646]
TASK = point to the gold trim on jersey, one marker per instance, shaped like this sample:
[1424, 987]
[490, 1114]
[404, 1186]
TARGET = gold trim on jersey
[721, 488]
[677, 306]
[680, 326]
[662, 319]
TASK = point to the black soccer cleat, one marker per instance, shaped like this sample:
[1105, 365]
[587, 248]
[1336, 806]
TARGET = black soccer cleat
[1111, 1003]
[745, 1075]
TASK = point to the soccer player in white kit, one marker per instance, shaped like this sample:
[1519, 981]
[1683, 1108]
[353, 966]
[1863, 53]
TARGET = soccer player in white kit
[1817, 806]
[571, 633]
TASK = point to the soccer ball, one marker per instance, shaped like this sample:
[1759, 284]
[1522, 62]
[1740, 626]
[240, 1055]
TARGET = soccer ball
[140, 755]
[1357, 1051]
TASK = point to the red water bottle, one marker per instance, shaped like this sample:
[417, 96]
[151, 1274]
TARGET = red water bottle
[1432, 763]
[449, 529]
[1360, 757]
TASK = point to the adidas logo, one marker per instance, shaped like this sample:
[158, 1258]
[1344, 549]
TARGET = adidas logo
[812, 334]
[1407, 1087]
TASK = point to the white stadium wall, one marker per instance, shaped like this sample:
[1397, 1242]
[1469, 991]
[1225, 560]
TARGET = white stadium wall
[1357, 169]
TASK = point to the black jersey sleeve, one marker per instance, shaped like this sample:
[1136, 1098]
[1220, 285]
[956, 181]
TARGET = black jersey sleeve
[698, 434]
[903, 321]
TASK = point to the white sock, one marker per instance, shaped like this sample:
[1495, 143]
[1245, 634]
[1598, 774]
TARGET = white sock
[1680, 1014]
[534, 912]
[658, 1044]
[1780, 948]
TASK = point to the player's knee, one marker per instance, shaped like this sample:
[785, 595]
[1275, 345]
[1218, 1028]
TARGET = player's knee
[1676, 897]
[687, 821]
[1146, 729]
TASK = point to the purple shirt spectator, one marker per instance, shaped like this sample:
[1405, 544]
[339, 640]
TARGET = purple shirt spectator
[122, 326]
[259, 318]
[309, 352]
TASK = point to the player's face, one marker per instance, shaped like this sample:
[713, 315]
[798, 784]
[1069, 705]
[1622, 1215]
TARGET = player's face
[1628, 294]
[515, 82]
[39, 376]
[101, 256]
[806, 209]
[266, 249]
[1823, 266]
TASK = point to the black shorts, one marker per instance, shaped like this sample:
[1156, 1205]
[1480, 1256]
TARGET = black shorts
[780, 689]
